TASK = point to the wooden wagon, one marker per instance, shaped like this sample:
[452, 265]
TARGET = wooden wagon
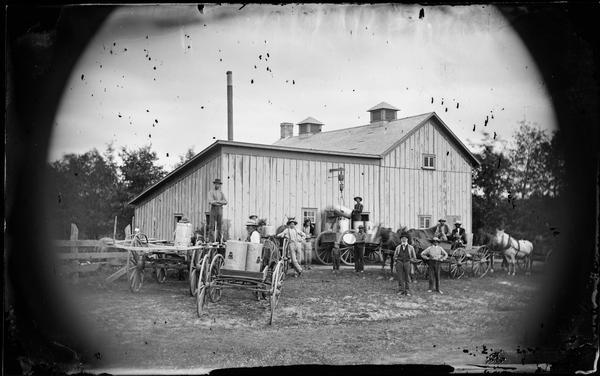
[461, 261]
[327, 239]
[213, 278]
[160, 257]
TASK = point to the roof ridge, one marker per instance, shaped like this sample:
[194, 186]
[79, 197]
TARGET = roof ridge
[370, 124]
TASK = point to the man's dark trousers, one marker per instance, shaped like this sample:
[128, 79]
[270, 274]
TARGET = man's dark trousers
[434, 275]
[337, 256]
[216, 216]
[403, 271]
[359, 257]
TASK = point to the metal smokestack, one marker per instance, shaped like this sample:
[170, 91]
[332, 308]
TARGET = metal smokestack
[229, 107]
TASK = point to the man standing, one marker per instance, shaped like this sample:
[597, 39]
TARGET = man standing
[295, 245]
[458, 235]
[434, 254]
[216, 200]
[442, 230]
[403, 255]
[358, 208]
[309, 230]
[359, 250]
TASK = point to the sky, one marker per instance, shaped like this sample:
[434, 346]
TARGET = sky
[157, 74]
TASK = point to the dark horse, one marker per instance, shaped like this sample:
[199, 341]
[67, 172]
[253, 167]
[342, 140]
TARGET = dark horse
[389, 240]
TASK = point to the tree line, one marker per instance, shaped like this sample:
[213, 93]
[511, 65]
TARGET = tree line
[517, 187]
[93, 188]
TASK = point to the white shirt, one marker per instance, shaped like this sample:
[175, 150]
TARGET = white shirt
[292, 234]
[255, 237]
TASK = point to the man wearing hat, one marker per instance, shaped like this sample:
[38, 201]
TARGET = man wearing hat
[216, 200]
[296, 238]
[403, 255]
[358, 208]
[359, 249]
[433, 255]
[442, 230]
[458, 235]
[253, 234]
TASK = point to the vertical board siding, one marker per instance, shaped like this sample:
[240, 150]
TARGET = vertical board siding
[395, 192]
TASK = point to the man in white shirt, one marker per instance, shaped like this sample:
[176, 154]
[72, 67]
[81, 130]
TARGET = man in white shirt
[434, 255]
[296, 238]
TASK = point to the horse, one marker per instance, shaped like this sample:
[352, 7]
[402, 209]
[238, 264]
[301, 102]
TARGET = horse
[512, 249]
[388, 240]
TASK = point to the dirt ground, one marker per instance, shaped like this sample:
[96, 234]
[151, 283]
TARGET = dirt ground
[322, 318]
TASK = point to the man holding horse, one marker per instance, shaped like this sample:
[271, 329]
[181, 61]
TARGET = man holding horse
[434, 254]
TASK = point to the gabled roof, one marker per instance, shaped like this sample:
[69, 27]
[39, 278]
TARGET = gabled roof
[383, 105]
[376, 138]
[373, 138]
[310, 120]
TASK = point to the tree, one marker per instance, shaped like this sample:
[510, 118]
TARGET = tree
[82, 185]
[138, 171]
[535, 162]
[189, 154]
[520, 190]
[491, 187]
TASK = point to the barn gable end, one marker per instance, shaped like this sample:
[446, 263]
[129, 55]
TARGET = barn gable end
[418, 191]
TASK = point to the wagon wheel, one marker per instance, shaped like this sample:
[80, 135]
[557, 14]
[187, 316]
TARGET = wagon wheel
[136, 268]
[523, 262]
[285, 256]
[193, 274]
[202, 285]
[323, 249]
[269, 252]
[214, 292]
[160, 274]
[347, 254]
[374, 255]
[457, 263]
[276, 287]
[482, 262]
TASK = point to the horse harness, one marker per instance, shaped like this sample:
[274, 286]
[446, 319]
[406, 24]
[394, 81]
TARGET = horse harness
[509, 244]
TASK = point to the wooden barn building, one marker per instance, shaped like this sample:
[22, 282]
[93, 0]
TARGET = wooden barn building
[410, 172]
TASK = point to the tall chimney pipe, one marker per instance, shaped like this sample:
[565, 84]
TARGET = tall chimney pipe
[229, 107]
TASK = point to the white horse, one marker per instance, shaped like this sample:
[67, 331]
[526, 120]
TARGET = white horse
[513, 249]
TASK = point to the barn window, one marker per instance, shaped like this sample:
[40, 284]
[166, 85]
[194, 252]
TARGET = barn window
[309, 213]
[429, 161]
[424, 221]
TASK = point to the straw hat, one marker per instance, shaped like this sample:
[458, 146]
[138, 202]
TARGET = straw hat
[457, 223]
[250, 223]
[435, 239]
